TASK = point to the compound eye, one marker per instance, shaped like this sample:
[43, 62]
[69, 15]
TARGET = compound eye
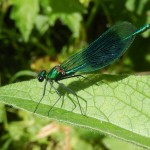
[40, 79]
[42, 76]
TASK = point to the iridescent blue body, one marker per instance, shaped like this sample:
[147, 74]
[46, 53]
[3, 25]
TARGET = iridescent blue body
[103, 51]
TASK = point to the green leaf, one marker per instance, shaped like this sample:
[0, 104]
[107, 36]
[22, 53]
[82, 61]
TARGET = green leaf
[42, 23]
[113, 144]
[118, 107]
[24, 13]
[2, 113]
[66, 6]
[73, 21]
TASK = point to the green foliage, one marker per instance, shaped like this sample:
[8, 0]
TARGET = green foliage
[66, 7]
[24, 14]
[37, 35]
[119, 106]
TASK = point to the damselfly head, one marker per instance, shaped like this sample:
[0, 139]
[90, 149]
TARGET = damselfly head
[42, 75]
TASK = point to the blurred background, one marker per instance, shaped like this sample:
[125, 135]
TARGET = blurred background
[36, 35]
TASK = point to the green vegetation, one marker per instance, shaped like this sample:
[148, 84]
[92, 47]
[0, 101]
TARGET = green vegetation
[37, 35]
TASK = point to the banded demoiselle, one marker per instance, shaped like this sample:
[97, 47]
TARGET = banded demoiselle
[103, 51]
